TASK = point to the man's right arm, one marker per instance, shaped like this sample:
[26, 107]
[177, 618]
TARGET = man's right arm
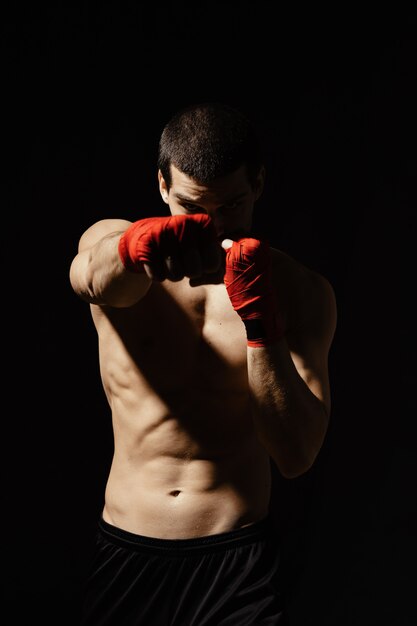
[117, 260]
[97, 273]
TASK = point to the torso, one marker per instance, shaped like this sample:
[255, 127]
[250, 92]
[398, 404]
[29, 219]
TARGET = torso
[186, 459]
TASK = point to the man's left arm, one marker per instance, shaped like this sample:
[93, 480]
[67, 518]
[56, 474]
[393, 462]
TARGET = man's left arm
[287, 370]
[290, 386]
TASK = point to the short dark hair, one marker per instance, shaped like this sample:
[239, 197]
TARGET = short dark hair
[208, 140]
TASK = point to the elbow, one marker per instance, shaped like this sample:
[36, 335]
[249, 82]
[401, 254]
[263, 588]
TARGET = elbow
[295, 454]
[292, 469]
[81, 279]
[293, 464]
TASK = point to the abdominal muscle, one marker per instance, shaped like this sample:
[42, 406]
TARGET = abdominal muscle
[165, 483]
[187, 462]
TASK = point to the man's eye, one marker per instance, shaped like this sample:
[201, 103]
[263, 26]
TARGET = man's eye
[191, 208]
[231, 207]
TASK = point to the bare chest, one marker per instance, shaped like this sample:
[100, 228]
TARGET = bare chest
[178, 334]
[209, 311]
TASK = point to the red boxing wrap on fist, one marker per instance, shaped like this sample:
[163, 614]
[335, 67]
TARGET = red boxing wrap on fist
[151, 239]
[248, 280]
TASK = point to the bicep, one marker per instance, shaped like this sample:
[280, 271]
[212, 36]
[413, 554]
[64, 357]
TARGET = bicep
[310, 345]
[313, 369]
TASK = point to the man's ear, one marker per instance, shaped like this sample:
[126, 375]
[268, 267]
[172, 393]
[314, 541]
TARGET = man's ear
[163, 189]
[260, 182]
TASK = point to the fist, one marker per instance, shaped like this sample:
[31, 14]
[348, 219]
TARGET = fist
[249, 284]
[171, 247]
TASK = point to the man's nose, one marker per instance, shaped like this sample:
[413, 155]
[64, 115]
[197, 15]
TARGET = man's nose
[218, 221]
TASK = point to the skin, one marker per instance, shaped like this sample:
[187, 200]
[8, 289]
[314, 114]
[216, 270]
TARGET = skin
[197, 414]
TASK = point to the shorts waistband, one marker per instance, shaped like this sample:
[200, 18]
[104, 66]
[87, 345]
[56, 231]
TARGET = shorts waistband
[230, 539]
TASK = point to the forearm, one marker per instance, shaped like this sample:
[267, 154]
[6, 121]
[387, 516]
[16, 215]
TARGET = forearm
[98, 275]
[290, 421]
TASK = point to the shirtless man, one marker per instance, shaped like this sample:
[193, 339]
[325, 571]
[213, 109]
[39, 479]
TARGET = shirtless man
[213, 352]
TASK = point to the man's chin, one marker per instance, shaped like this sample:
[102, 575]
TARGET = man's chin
[234, 235]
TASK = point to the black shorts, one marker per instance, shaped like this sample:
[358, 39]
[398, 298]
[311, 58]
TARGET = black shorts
[226, 579]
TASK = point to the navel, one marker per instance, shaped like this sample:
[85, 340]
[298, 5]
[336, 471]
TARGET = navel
[175, 493]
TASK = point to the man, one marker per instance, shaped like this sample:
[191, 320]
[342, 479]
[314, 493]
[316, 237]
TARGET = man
[213, 351]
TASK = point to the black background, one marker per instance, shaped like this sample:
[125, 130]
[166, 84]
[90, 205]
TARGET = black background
[87, 88]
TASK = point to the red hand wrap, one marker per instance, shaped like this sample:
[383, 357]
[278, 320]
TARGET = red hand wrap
[145, 241]
[248, 280]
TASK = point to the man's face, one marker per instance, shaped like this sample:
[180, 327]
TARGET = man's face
[228, 200]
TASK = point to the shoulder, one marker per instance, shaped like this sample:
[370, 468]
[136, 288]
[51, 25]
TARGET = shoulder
[101, 228]
[309, 297]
